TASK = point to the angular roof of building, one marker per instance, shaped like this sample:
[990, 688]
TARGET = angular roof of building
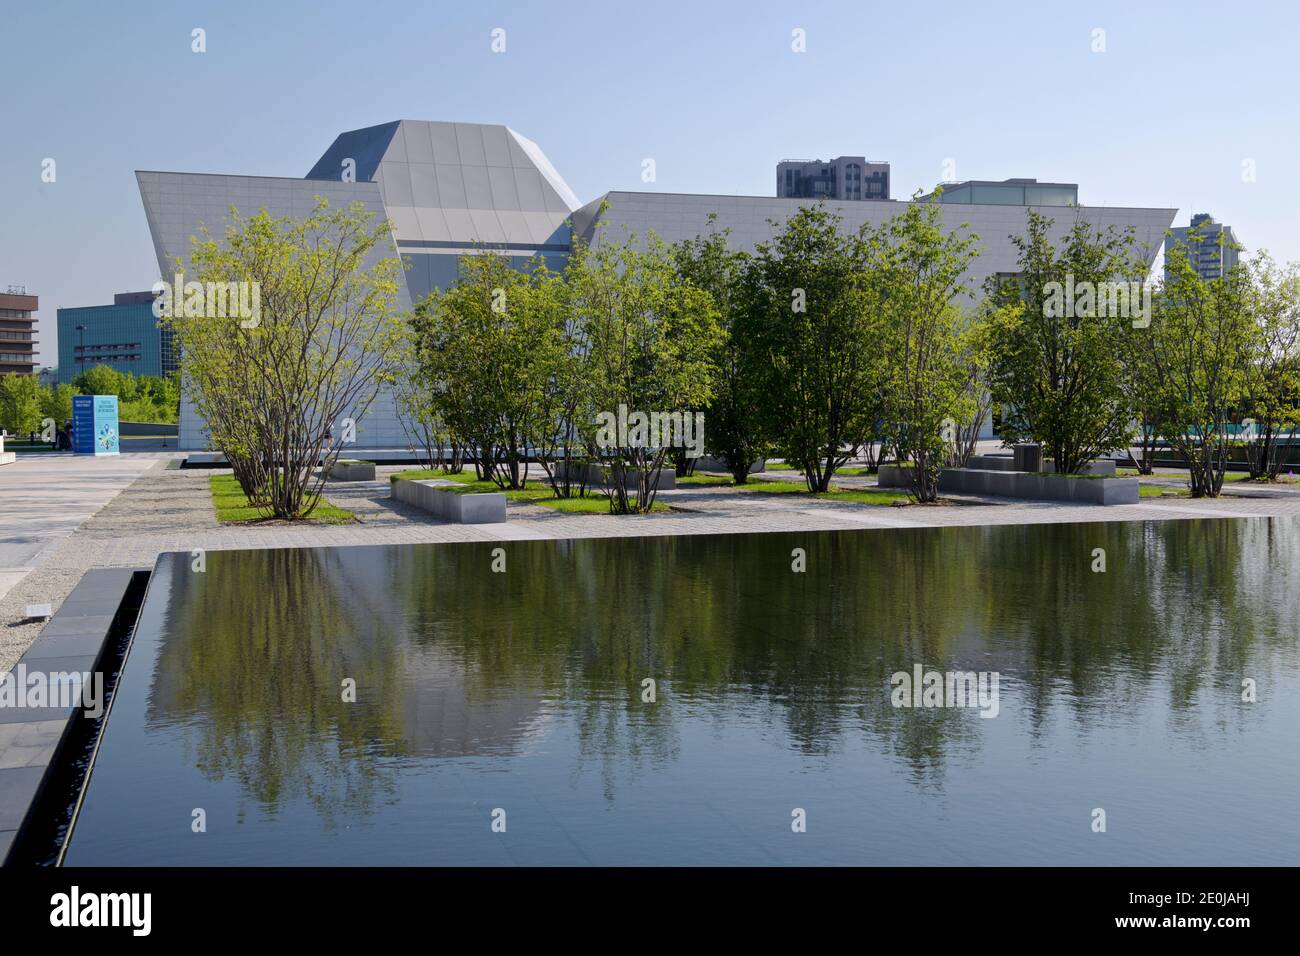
[456, 184]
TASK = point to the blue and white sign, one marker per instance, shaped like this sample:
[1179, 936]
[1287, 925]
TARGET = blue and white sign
[94, 425]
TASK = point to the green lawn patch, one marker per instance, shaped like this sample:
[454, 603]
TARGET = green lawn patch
[866, 496]
[780, 487]
[232, 506]
[706, 481]
[861, 496]
[538, 491]
[1161, 491]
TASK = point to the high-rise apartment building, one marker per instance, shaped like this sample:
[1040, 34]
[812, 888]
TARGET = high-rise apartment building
[17, 331]
[1214, 251]
[843, 178]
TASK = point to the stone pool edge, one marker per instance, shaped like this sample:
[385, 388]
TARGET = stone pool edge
[33, 740]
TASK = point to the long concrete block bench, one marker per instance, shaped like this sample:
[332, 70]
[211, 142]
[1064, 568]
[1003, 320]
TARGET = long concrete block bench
[894, 476]
[598, 476]
[442, 499]
[709, 463]
[348, 469]
[1099, 466]
[1041, 487]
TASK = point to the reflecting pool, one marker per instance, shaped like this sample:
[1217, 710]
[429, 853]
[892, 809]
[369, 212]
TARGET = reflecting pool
[698, 700]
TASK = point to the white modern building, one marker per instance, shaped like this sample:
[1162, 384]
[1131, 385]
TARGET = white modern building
[452, 188]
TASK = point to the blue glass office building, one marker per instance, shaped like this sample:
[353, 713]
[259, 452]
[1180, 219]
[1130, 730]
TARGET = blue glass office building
[124, 336]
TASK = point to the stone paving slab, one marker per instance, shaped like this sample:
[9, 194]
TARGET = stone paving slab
[44, 498]
[29, 743]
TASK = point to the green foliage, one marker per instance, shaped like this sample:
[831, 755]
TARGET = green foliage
[490, 354]
[1202, 340]
[926, 389]
[56, 403]
[733, 431]
[106, 380]
[645, 338]
[20, 403]
[813, 318]
[1272, 401]
[146, 398]
[1058, 377]
[276, 390]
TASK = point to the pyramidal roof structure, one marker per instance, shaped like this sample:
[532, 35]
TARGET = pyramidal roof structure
[456, 184]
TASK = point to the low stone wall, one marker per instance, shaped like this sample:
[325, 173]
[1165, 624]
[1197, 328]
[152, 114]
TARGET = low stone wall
[1042, 487]
[435, 497]
[709, 463]
[596, 476]
[894, 476]
[138, 429]
[347, 469]
[1099, 466]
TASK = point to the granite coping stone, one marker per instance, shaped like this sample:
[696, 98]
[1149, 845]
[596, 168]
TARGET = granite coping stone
[76, 625]
[17, 788]
[31, 738]
[31, 744]
[46, 647]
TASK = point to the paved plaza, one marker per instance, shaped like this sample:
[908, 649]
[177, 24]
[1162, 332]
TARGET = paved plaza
[60, 516]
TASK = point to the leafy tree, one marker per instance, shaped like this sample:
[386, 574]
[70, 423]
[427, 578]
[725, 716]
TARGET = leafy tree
[492, 347]
[814, 321]
[56, 403]
[734, 430]
[1201, 343]
[1142, 395]
[977, 397]
[646, 338]
[1273, 372]
[1058, 376]
[105, 380]
[276, 390]
[20, 403]
[927, 384]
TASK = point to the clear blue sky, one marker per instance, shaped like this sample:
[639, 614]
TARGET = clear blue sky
[712, 91]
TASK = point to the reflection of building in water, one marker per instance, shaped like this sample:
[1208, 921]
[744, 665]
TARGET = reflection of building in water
[446, 713]
[245, 671]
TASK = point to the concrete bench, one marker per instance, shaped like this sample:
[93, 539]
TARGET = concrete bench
[349, 469]
[1041, 487]
[598, 476]
[1098, 466]
[441, 499]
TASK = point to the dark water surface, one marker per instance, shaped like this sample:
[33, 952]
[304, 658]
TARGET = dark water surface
[523, 692]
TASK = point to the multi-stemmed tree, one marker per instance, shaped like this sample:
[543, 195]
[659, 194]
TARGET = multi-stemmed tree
[813, 318]
[1202, 337]
[281, 390]
[931, 379]
[490, 350]
[734, 431]
[648, 338]
[1057, 376]
[1273, 371]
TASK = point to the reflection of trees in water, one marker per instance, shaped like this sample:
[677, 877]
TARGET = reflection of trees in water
[252, 670]
[452, 659]
[1178, 607]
